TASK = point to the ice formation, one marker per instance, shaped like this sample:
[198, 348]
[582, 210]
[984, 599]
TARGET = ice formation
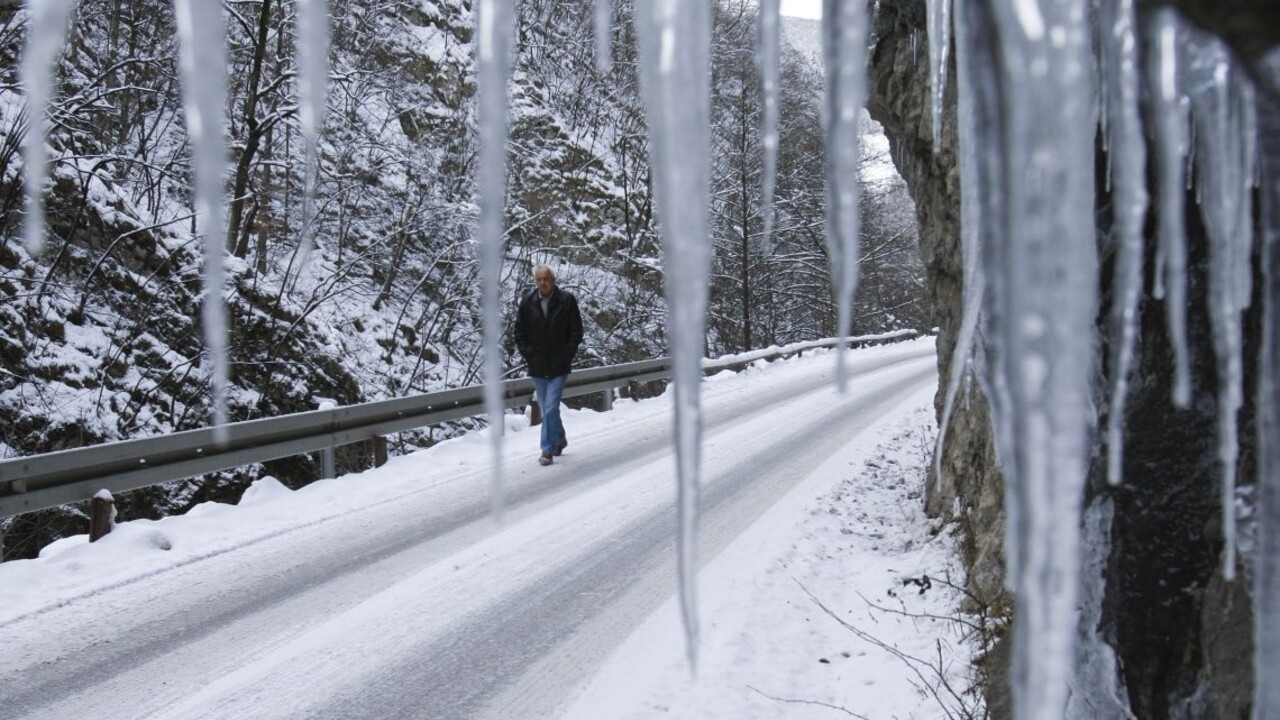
[313, 72]
[202, 45]
[48, 26]
[844, 44]
[675, 74]
[496, 21]
[770, 44]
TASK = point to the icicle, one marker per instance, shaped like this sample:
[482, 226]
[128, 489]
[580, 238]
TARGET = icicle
[770, 44]
[496, 20]
[1220, 102]
[48, 27]
[1169, 113]
[983, 210]
[202, 35]
[313, 62]
[1042, 325]
[1266, 569]
[844, 26]
[939, 26]
[675, 38]
[970, 231]
[1097, 688]
[604, 25]
[1128, 159]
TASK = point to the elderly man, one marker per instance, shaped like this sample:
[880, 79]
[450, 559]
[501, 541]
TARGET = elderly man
[548, 332]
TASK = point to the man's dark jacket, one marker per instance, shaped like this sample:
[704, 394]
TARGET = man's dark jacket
[548, 342]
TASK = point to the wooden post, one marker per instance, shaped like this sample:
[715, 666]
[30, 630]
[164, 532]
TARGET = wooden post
[102, 515]
[379, 451]
[535, 413]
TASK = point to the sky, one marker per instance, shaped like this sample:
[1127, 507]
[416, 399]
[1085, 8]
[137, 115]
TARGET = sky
[802, 8]
[842, 525]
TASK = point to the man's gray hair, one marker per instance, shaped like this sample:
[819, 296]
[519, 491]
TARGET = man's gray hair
[544, 268]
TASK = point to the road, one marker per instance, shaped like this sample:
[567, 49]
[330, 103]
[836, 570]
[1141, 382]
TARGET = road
[423, 606]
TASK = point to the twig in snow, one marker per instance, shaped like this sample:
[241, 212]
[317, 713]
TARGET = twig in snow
[912, 662]
[914, 615]
[846, 711]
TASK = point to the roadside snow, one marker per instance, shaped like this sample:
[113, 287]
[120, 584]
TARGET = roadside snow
[853, 537]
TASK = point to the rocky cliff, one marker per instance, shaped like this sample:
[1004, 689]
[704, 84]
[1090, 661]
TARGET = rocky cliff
[1169, 634]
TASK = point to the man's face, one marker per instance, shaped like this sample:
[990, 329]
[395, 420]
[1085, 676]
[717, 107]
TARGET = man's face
[546, 283]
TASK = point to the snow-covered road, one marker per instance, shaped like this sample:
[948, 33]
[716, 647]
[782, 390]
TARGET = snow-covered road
[393, 594]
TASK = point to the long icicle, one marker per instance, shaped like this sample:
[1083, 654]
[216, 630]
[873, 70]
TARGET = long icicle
[313, 72]
[202, 35]
[769, 52]
[1170, 119]
[1221, 101]
[970, 231]
[938, 14]
[980, 88]
[675, 38]
[1046, 308]
[844, 35]
[1128, 158]
[47, 27]
[496, 20]
[603, 29]
[1266, 573]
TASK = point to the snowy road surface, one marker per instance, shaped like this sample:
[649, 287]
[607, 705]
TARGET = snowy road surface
[407, 600]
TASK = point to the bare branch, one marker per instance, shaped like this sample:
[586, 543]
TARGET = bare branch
[846, 711]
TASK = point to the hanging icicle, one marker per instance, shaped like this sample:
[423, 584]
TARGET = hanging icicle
[1266, 569]
[496, 21]
[971, 219]
[1127, 155]
[202, 36]
[1170, 118]
[675, 74]
[769, 52]
[313, 72]
[1222, 104]
[1041, 322]
[938, 13]
[603, 28]
[47, 28]
[844, 35]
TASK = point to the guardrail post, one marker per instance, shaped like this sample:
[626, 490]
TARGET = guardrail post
[535, 413]
[102, 515]
[328, 468]
[607, 396]
[379, 451]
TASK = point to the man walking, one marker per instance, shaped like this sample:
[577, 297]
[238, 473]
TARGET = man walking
[548, 332]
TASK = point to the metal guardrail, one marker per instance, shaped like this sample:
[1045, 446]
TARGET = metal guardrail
[37, 482]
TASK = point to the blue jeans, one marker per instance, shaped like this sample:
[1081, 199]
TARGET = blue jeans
[549, 392]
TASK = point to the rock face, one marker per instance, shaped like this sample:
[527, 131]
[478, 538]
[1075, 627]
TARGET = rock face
[1180, 633]
[971, 486]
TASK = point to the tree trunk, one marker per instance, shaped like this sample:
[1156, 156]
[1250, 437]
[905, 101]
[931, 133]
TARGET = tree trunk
[237, 245]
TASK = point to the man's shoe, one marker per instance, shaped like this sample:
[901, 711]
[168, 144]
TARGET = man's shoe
[545, 459]
[560, 448]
